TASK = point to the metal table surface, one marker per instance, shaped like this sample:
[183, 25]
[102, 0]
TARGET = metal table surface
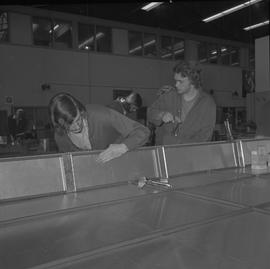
[217, 219]
[236, 242]
[250, 191]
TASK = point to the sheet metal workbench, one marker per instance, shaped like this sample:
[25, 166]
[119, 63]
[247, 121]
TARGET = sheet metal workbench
[216, 216]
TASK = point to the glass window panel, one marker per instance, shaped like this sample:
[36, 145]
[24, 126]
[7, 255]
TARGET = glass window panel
[235, 56]
[62, 34]
[135, 43]
[86, 36]
[202, 52]
[42, 31]
[150, 45]
[166, 47]
[3, 26]
[103, 39]
[225, 55]
[213, 53]
[178, 48]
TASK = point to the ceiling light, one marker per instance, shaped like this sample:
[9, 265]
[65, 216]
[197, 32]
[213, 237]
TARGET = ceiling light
[35, 26]
[145, 45]
[54, 28]
[231, 10]
[256, 25]
[151, 6]
[166, 55]
[90, 40]
[178, 51]
[175, 53]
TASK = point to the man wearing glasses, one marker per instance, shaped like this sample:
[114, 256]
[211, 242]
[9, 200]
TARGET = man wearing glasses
[184, 113]
[93, 127]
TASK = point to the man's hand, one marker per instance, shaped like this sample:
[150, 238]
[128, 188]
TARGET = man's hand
[113, 151]
[165, 89]
[167, 117]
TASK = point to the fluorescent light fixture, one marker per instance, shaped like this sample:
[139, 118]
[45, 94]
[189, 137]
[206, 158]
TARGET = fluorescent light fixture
[178, 51]
[145, 45]
[166, 55]
[203, 60]
[35, 26]
[256, 25]
[151, 6]
[54, 28]
[231, 10]
[90, 40]
[170, 54]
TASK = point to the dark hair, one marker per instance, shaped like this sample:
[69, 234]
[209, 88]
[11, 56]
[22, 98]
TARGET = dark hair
[135, 99]
[66, 107]
[190, 70]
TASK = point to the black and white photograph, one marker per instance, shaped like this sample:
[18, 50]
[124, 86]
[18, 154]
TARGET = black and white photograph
[135, 135]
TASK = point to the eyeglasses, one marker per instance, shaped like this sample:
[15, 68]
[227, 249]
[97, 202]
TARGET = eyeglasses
[77, 125]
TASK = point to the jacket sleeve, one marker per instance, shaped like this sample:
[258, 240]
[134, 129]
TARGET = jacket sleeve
[156, 111]
[133, 134]
[59, 143]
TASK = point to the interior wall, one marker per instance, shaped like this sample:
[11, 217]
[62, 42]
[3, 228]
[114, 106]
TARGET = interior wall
[91, 77]
[262, 74]
[224, 81]
[24, 69]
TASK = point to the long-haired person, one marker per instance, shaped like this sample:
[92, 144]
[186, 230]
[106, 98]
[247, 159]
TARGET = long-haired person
[93, 127]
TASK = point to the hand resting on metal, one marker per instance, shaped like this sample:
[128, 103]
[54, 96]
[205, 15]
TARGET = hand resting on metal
[113, 151]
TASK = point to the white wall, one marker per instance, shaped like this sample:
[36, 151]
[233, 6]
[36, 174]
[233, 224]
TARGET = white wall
[92, 76]
[262, 70]
[224, 80]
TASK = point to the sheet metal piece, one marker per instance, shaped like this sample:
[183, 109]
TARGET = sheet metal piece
[48, 238]
[199, 157]
[22, 177]
[88, 173]
[206, 178]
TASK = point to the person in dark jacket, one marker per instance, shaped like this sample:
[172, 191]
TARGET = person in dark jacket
[93, 127]
[128, 104]
[17, 125]
[184, 113]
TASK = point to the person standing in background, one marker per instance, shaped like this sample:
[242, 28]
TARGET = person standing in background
[184, 113]
[128, 104]
[17, 126]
